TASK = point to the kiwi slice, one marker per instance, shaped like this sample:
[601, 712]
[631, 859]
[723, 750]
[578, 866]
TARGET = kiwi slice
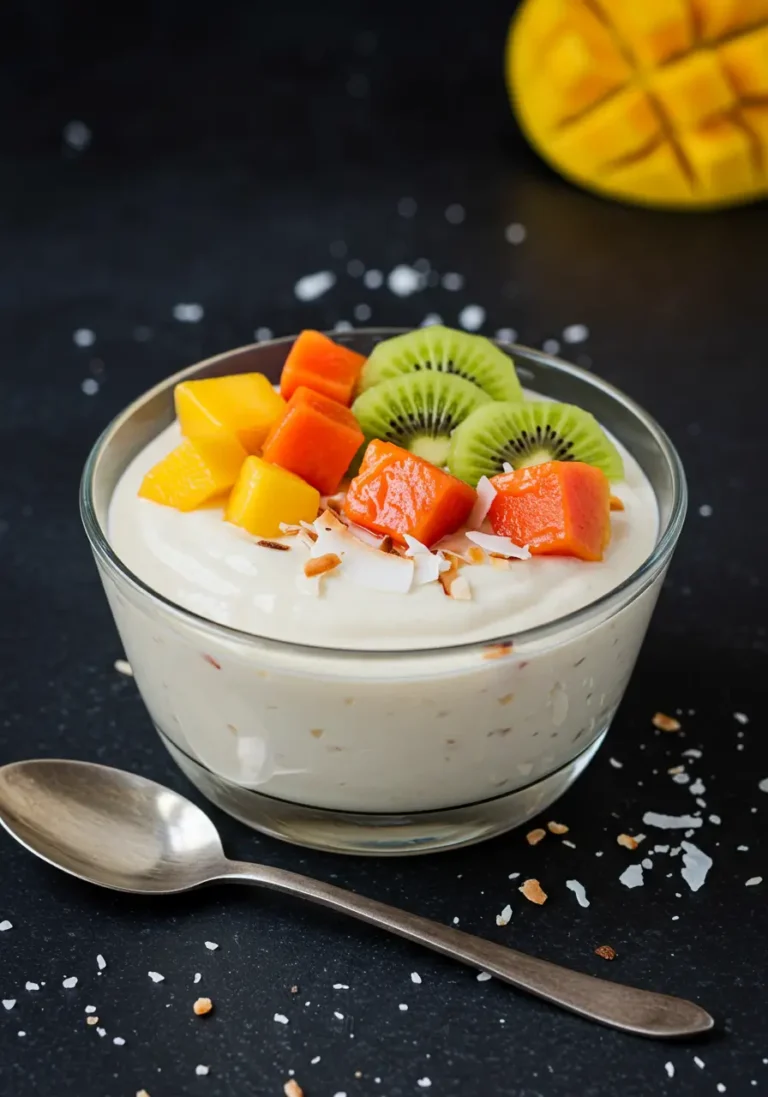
[529, 434]
[418, 411]
[437, 349]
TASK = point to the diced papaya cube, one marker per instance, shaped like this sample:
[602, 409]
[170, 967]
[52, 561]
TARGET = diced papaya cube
[396, 492]
[244, 405]
[560, 508]
[194, 473]
[316, 438]
[316, 362]
[265, 495]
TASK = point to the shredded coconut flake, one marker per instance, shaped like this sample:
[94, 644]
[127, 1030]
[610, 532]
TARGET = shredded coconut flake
[280, 1018]
[632, 876]
[484, 976]
[31, 986]
[696, 865]
[753, 881]
[670, 1069]
[156, 977]
[70, 982]
[362, 564]
[503, 919]
[504, 546]
[211, 945]
[201, 1070]
[670, 822]
[415, 977]
[763, 785]
[486, 493]
[312, 286]
[5, 925]
[9, 1003]
[578, 891]
[122, 666]
[101, 962]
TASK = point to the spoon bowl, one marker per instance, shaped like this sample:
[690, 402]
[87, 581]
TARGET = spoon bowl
[109, 827]
[125, 832]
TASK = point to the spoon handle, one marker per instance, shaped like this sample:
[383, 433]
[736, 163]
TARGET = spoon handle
[639, 1011]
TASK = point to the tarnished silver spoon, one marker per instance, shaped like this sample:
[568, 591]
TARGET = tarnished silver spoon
[121, 831]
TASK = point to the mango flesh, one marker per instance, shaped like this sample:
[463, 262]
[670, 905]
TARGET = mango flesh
[266, 495]
[194, 473]
[243, 406]
[657, 102]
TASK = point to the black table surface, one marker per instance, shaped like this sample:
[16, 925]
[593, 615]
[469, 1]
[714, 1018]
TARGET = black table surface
[231, 153]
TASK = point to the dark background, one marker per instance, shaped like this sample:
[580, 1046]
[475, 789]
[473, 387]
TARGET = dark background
[232, 145]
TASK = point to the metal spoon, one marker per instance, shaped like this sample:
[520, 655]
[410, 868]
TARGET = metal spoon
[125, 832]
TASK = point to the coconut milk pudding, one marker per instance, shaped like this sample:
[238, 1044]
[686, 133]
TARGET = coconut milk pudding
[374, 517]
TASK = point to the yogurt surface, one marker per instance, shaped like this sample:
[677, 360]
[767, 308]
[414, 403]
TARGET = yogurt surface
[206, 565]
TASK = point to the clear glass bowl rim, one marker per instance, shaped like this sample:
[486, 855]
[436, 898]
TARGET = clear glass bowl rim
[627, 591]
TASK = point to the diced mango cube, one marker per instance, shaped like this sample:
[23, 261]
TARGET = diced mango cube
[244, 405]
[194, 473]
[694, 89]
[265, 495]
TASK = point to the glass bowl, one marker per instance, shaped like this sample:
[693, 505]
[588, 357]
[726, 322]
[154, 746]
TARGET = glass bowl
[414, 751]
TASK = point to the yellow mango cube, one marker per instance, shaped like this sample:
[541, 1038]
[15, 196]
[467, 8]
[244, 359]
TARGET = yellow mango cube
[266, 495]
[243, 405]
[194, 473]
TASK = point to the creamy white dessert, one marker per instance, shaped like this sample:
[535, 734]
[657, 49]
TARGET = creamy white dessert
[424, 728]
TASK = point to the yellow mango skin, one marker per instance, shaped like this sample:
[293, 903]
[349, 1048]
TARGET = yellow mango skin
[244, 405]
[265, 495]
[194, 473]
[654, 102]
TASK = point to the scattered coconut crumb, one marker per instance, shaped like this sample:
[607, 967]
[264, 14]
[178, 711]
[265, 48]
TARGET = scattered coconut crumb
[31, 986]
[102, 1032]
[415, 977]
[699, 1062]
[70, 982]
[5, 925]
[763, 785]
[696, 865]
[534, 892]
[320, 565]
[472, 317]
[503, 919]
[616, 763]
[753, 881]
[579, 891]
[670, 822]
[533, 837]
[665, 723]
[84, 337]
[197, 977]
[280, 1018]
[90, 1009]
[312, 286]
[484, 976]
[557, 828]
[293, 1089]
[403, 1007]
[741, 718]
[142, 1093]
[211, 945]
[202, 1006]
[101, 962]
[632, 877]
[669, 1067]
[499, 651]
[9, 1003]
[93, 1020]
[156, 977]
[201, 1070]
[605, 952]
[122, 666]
[118, 1041]
[627, 841]
[425, 1083]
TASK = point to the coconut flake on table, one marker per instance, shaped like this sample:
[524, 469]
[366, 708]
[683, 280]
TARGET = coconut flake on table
[312, 286]
[486, 493]
[70, 982]
[472, 317]
[403, 280]
[632, 876]
[763, 785]
[753, 881]
[576, 333]
[452, 281]
[5, 925]
[156, 977]
[9, 1003]
[670, 822]
[503, 546]
[579, 891]
[101, 963]
[515, 233]
[696, 865]
[431, 319]
[188, 313]
[503, 919]
[741, 718]
[361, 564]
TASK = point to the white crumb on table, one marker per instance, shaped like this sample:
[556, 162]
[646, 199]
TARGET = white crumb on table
[156, 977]
[338, 1015]
[425, 1083]
[505, 916]
[696, 865]
[632, 876]
[83, 337]
[550, 346]
[670, 1069]
[119, 1041]
[90, 386]
[122, 666]
[472, 317]
[101, 962]
[705, 510]
[31, 986]
[670, 822]
[373, 279]
[69, 982]
[191, 313]
[616, 763]
[484, 976]
[576, 333]
[741, 717]
[415, 977]
[341, 986]
[211, 946]
[5, 925]
[201, 1070]
[452, 281]
[9, 1003]
[197, 977]
[515, 233]
[76, 135]
[90, 1009]
[280, 1018]
[403, 1007]
[579, 891]
[699, 1062]
[311, 286]
[753, 881]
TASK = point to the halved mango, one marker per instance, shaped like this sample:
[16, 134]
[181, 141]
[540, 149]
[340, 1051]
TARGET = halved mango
[265, 495]
[194, 473]
[243, 405]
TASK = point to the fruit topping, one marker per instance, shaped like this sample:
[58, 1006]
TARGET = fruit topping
[560, 508]
[194, 473]
[418, 411]
[436, 349]
[244, 405]
[528, 434]
[398, 493]
[316, 438]
[316, 362]
[266, 496]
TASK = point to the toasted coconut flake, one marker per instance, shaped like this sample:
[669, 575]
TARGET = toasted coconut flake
[202, 1006]
[334, 503]
[426, 563]
[385, 544]
[557, 828]
[475, 555]
[616, 503]
[460, 590]
[276, 545]
[360, 563]
[321, 565]
[289, 530]
[665, 723]
[375, 540]
[533, 837]
[504, 546]
[501, 563]
[627, 841]
[293, 1089]
[497, 651]
[486, 493]
[534, 892]
[605, 952]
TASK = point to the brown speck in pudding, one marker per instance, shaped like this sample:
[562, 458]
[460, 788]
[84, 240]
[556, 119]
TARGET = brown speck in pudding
[665, 723]
[505, 700]
[386, 543]
[579, 662]
[349, 700]
[274, 545]
[202, 1006]
[627, 841]
[476, 555]
[497, 651]
[316, 733]
[450, 742]
[231, 728]
[210, 659]
[606, 952]
[442, 714]
[533, 837]
[534, 892]
[557, 828]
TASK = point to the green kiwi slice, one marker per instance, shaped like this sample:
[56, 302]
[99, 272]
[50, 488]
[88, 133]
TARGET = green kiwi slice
[437, 349]
[529, 434]
[418, 411]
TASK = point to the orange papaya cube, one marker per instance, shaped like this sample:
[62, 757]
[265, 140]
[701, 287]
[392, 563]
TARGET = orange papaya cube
[244, 405]
[194, 473]
[316, 439]
[396, 492]
[316, 362]
[266, 496]
[561, 508]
